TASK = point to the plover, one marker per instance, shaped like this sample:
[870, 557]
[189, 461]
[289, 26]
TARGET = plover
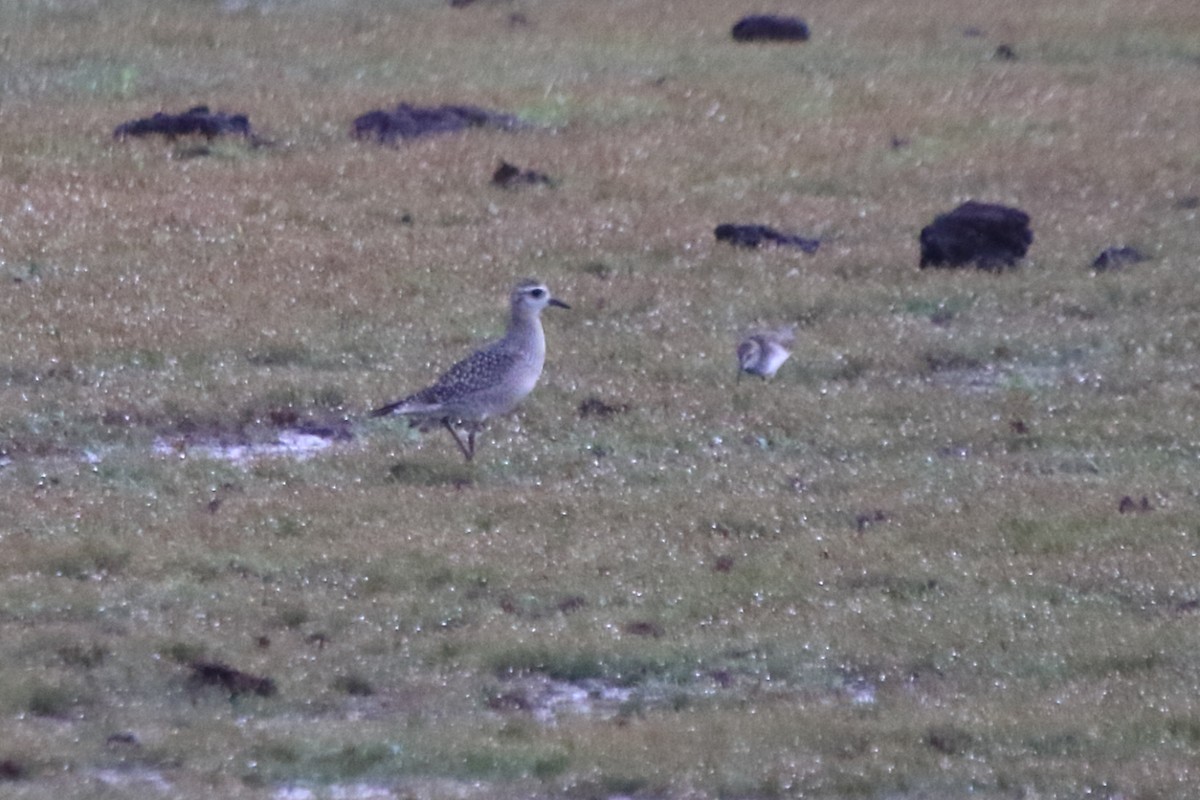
[763, 353]
[490, 381]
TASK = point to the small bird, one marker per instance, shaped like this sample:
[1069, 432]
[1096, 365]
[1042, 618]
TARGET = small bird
[763, 353]
[490, 381]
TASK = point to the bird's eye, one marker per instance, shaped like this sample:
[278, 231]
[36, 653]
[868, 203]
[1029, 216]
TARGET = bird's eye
[537, 294]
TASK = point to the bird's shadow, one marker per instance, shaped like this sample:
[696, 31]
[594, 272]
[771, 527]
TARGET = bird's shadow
[432, 473]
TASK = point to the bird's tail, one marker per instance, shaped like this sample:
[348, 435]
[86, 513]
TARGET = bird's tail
[387, 410]
[409, 406]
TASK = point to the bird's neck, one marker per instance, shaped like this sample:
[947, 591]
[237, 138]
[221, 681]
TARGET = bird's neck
[525, 334]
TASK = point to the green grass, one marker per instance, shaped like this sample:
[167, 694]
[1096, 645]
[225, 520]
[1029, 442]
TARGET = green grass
[902, 568]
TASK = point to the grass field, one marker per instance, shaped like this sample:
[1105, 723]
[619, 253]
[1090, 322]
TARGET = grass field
[904, 568]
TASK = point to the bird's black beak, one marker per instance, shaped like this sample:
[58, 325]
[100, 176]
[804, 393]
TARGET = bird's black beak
[554, 301]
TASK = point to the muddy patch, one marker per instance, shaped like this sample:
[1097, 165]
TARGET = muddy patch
[548, 699]
[298, 444]
[135, 781]
[409, 787]
[349, 791]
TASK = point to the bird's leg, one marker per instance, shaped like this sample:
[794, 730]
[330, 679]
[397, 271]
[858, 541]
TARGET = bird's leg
[458, 440]
[471, 441]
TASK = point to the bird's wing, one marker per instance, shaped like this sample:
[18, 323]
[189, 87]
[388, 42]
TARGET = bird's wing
[468, 375]
[473, 373]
